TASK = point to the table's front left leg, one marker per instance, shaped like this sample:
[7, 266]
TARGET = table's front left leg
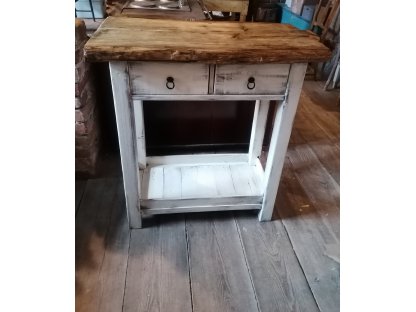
[126, 136]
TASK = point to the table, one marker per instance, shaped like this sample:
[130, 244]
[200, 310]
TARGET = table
[154, 60]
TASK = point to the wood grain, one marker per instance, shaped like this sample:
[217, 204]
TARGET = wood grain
[101, 249]
[306, 130]
[219, 275]
[79, 192]
[158, 272]
[199, 181]
[317, 124]
[323, 109]
[317, 183]
[277, 277]
[313, 241]
[137, 39]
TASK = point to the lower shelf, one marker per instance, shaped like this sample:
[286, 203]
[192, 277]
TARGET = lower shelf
[171, 188]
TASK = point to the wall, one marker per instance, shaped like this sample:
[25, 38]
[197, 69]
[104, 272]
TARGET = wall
[87, 132]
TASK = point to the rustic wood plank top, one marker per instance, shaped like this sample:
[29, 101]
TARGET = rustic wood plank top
[137, 39]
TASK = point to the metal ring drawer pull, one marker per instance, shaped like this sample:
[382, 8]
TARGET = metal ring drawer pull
[251, 84]
[170, 84]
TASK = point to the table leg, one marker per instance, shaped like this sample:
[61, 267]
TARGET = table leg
[283, 121]
[126, 130]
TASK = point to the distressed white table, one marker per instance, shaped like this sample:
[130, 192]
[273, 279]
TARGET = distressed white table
[203, 61]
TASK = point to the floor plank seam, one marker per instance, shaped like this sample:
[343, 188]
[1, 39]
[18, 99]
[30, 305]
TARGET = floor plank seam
[80, 200]
[319, 125]
[246, 262]
[189, 265]
[297, 259]
[320, 162]
[127, 267]
[296, 174]
[107, 233]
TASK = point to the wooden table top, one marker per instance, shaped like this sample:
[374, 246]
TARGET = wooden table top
[138, 39]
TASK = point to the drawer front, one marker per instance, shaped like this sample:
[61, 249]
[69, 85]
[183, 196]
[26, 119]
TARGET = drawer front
[251, 79]
[168, 78]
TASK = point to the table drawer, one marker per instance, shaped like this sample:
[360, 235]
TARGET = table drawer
[168, 78]
[251, 79]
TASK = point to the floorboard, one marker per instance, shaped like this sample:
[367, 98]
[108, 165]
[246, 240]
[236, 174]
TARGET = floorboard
[321, 122]
[313, 240]
[306, 130]
[79, 192]
[219, 275]
[102, 241]
[158, 271]
[277, 276]
[317, 183]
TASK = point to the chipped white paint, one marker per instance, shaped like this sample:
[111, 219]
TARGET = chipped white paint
[152, 78]
[284, 116]
[267, 79]
[126, 136]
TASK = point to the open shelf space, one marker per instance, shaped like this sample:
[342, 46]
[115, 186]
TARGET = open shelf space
[173, 187]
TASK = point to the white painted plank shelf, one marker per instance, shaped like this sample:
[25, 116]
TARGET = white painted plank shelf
[190, 187]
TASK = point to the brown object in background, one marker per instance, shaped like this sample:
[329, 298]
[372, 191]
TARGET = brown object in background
[86, 129]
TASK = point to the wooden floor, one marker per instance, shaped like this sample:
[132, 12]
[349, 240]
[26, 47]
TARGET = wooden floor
[224, 261]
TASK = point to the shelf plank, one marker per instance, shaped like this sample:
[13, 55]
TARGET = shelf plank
[171, 175]
[196, 159]
[205, 187]
[155, 182]
[224, 180]
[167, 182]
